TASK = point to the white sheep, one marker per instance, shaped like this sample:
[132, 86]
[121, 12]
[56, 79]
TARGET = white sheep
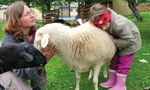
[83, 48]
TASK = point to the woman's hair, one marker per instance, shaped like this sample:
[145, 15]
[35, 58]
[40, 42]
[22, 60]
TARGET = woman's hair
[13, 14]
[97, 10]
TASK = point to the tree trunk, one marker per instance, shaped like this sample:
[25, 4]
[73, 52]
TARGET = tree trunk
[121, 7]
[132, 6]
[27, 2]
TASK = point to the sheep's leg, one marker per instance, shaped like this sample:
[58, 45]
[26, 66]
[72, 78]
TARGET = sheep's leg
[91, 74]
[77, 80]
[105, 71]
[95, 76]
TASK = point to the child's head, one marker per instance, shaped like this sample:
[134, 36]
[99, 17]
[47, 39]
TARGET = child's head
[100, 16]
[97, 10]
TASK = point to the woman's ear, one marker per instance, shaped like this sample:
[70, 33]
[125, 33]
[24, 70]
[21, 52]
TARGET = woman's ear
[44, 40]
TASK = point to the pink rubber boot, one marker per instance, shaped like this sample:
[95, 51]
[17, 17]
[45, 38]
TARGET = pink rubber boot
[111, 81]
[120, 83]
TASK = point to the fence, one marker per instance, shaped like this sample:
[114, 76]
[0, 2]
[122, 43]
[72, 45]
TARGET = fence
[144, 7]
[50, 16]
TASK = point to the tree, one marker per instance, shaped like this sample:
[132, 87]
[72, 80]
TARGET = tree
[132, 6]
[6, 2]
[121, 7]
[47, 4]
[28, 2]
[143, 1]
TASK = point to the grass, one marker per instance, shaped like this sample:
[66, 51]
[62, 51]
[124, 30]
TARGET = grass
[61, 78]
[139, 74]
[1, 32]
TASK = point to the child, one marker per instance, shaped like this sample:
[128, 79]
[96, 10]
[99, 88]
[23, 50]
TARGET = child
[125, 36]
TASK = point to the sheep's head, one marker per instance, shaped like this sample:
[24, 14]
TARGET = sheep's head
[42, 36]
[41, 40]
[49, 33]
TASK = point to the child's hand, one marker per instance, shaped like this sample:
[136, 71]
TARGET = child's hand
[49, 51]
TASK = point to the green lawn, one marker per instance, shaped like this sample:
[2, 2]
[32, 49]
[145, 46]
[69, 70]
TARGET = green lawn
[1, 26]
[139, 75]
[61, 78]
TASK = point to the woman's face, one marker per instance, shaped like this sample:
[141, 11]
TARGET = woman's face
[27, 19]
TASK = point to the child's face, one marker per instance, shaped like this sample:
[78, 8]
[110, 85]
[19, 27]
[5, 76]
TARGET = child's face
[105, 27]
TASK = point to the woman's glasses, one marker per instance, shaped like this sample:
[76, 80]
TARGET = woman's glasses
[28, 13]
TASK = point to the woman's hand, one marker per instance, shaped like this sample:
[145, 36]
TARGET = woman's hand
[49, 51]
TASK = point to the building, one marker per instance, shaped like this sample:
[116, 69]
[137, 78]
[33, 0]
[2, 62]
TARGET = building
[68, 11]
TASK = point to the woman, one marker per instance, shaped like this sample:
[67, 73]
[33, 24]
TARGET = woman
[20, 27]
[126, 37]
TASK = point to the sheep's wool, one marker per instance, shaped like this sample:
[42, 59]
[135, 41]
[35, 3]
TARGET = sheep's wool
[83, 48]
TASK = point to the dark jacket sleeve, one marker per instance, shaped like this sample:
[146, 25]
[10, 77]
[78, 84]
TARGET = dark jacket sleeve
[11, 55]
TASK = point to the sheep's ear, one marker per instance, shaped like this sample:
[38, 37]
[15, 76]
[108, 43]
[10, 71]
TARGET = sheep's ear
[44, 40]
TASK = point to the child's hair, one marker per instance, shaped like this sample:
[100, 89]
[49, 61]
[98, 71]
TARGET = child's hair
[97, 10]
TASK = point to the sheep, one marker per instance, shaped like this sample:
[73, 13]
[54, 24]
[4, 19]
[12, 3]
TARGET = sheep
[83, 48]
[20, 56]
